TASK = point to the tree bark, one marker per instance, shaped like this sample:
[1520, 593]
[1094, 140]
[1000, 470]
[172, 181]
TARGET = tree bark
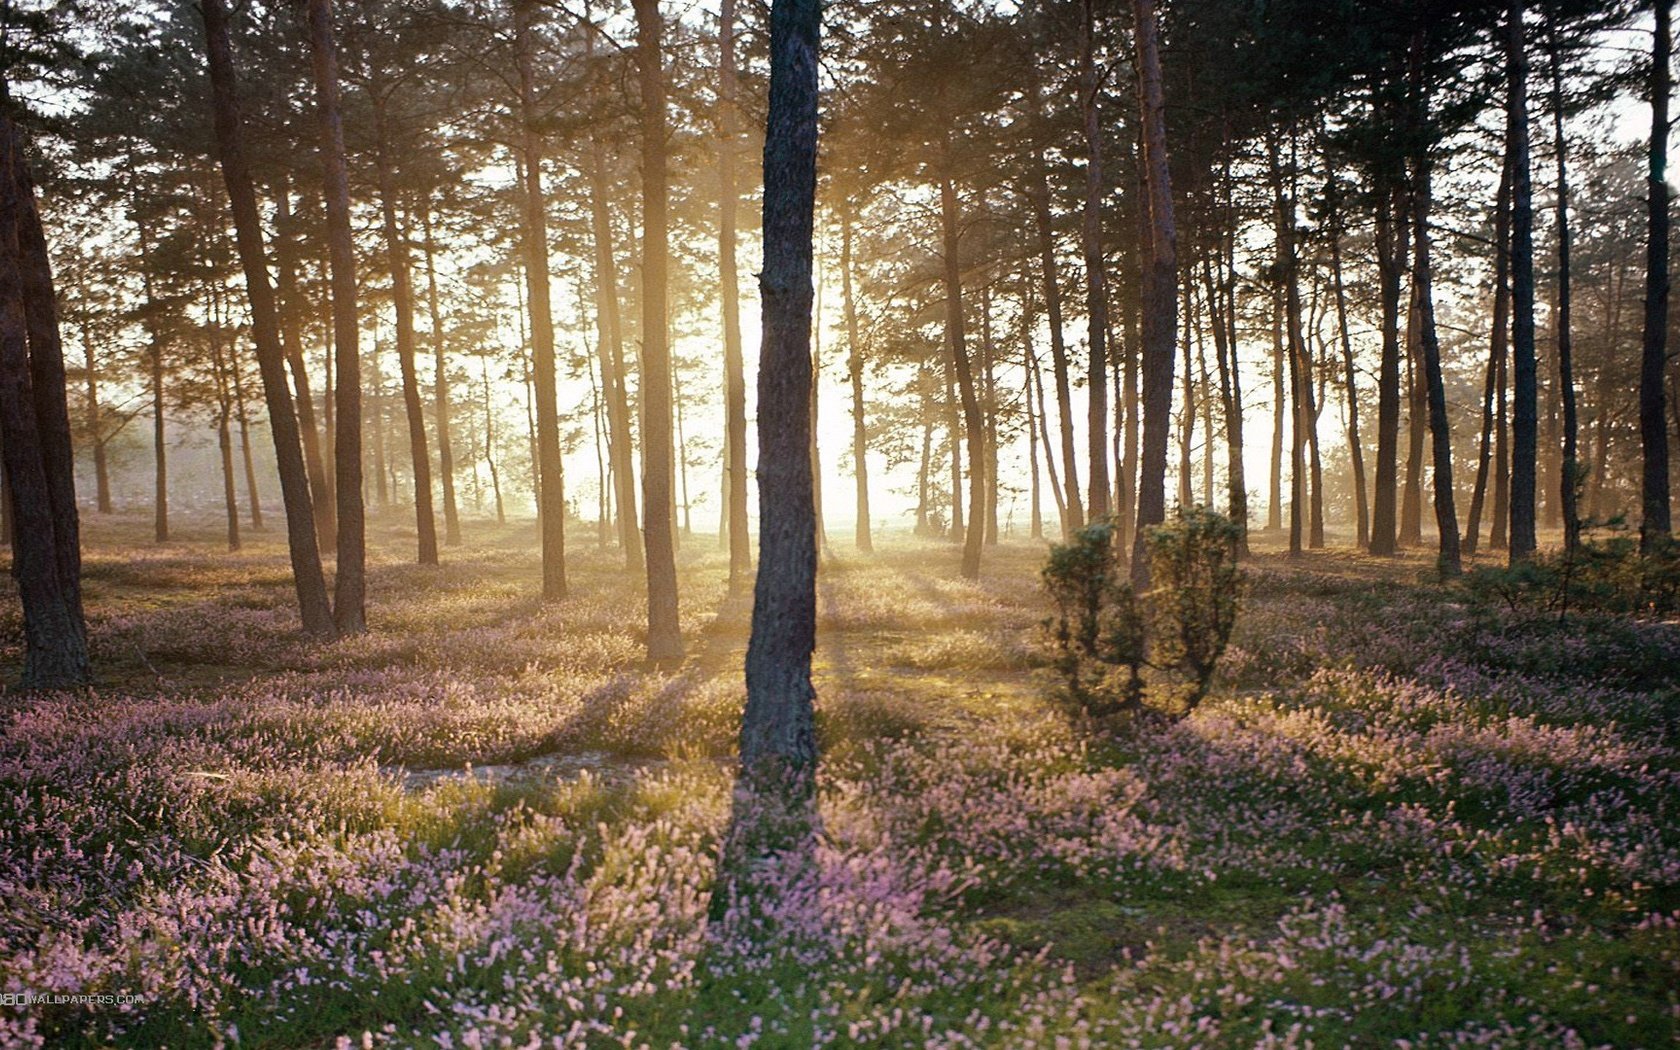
[35, 436]
[957, 345]
[288, 303]
[664, 641]
[1096, 285]
[551, 494]
[734, 377]
[1356, 448]
[265, 327]
[1496, 355]
[402, 305]
[1039, 192]
[440, 386]
[1525, 418]
[1654, 527]
[1160, 291]
[1389, 266]
[1570, 483]
[778, 731]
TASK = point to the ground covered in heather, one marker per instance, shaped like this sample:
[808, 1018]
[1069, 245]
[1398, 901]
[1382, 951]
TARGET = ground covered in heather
[1402, 819]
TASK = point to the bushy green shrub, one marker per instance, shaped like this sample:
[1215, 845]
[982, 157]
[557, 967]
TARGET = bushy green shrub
[1604, 573]
[1104, 635]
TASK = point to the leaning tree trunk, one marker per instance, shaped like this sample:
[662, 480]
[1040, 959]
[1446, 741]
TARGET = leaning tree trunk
[551, 495]
[1525, 394]
[1160, 291]
[35, 436]
[402, 304]
[778, 729]
[1654, 528]
[664, 642]
[265, 328]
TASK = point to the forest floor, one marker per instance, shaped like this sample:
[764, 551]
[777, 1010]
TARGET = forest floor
[1400, 820]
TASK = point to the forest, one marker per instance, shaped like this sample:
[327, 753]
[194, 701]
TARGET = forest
[785, 523]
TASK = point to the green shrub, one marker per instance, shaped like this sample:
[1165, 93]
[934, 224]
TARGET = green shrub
[1104, 635]
[1604, 573]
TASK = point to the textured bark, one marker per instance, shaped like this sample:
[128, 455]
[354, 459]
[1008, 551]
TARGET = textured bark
[1160, 291]
[1096, 286]
[35, 436]
[778, 731]
[350, 581]
[1654, 527]
[265, 327]
[402, 305]
[664, 641]
[1389, 266]
[551, 495]
[1525, 394]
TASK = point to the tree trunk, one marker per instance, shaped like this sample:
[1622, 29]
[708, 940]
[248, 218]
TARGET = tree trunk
[402, 304]
[734, 376]
[1570, 483]
[1283, 229]
[1040, 194]
[610, 347]
[1496, 355]
[310, 581]
[154, 361]
[778, 729]
[1654, 528]
[1096, 287]
[551, 496]
[1274, 501]
[1446, 517]
[490, 444]
[854, 369]
[1356, 448]
[95, 427]
[1389, 265]
[242, 413]
[664, 641]
[1417, 409]
[1525, 420]
[956, 343]
[350, 581]
[440, 386]
[989, 405]
[35, 436]
[288, 304]
[1160, 291]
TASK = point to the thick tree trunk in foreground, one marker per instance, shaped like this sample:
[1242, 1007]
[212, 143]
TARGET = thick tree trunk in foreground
[35, 437]
[1654, 525]
[664, 642]
[1160, 291]
[265, 328]
[1525, 394]
[778, 728]
[551, 494]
